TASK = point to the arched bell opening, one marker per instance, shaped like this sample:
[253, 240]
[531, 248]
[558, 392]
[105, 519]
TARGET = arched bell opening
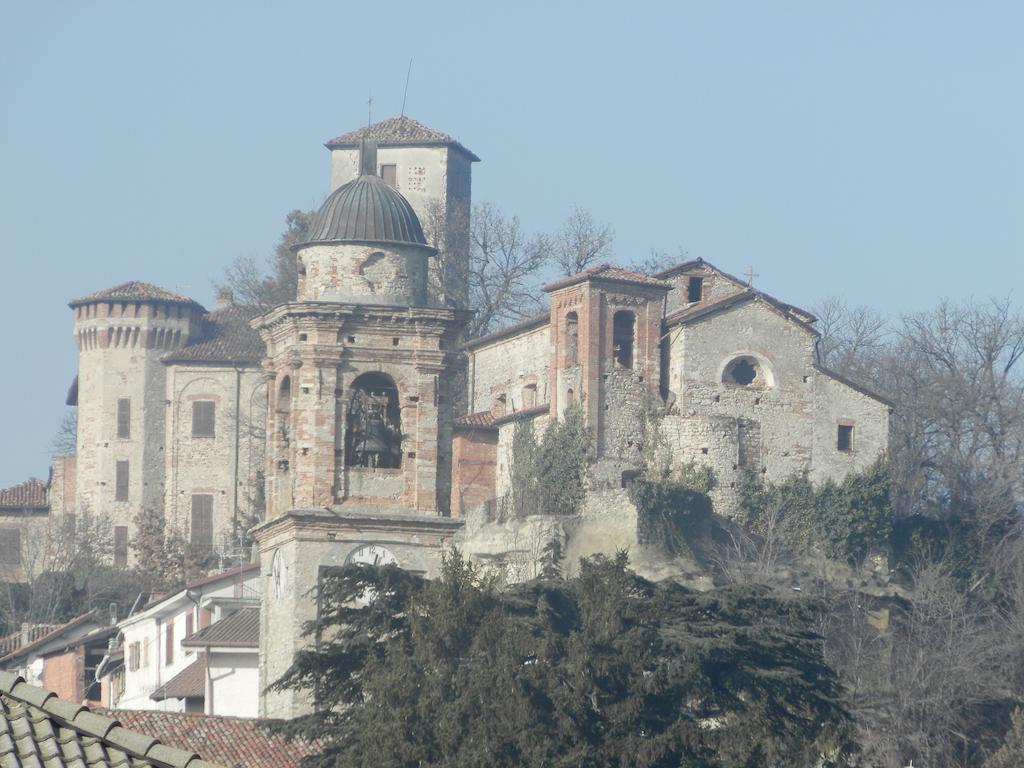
[373, 437]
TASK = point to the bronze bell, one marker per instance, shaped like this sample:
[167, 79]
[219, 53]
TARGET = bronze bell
[378, 436]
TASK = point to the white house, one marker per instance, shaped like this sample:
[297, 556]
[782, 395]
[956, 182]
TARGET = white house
[163, 670]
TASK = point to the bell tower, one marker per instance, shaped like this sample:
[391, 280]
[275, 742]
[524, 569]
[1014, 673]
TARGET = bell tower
[359, 373]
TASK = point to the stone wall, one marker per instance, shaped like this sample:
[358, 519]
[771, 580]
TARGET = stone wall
[783, 423]
[294, 551]
[509, 366]
[229, 464]
[367, 274]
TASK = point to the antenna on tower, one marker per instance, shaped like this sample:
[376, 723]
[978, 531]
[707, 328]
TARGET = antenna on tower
[406, 93]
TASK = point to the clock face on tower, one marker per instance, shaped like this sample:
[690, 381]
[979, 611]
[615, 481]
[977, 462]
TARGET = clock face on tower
[371, 554]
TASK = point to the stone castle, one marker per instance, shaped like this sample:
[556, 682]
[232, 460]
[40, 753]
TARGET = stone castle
[355, 425]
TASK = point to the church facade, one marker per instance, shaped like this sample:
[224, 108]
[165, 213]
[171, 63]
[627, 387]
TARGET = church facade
[354, 424]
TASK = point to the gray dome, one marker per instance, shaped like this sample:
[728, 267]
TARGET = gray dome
[366, 210]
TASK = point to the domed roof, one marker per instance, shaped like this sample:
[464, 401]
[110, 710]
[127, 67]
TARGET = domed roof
[366, 210]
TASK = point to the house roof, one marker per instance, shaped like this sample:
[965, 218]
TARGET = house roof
[701, 310]
[190, 683]
[56, 633]
[233, 742]
[239, 630]
[31, 495]
[398, 131]
[610, 273]
[40, 730]
[525, 413]
[173, 601]
[227, 338]
[528, 324]
[686, 266]
[12, 642]
[854, 385]
[134, 290]
[480, 420]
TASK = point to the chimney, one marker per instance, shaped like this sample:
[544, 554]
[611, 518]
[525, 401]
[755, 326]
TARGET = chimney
[367, 157]
[225, 297]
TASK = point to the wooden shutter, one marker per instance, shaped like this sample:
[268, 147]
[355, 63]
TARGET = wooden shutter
[203, 418]
[202, 521]
[189, 623]
[121, 484]
[120, 546]
[124, 418]
[10, 546]
[169, 637]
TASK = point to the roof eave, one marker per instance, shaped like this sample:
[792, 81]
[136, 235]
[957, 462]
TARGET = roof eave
[451, 144]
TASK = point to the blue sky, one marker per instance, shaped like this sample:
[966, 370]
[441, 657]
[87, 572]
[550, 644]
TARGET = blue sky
[871, 150]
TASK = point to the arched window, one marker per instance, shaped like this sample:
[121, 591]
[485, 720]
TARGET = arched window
[570, 398]
[373, 437]
[530, 396]
[744, 372]
[623, 323]
[284, 408]
[284, 395]
[572, 338]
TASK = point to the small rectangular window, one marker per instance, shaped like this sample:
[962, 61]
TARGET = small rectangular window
[201, 534]
[133, 656]
[203, 418]
[10, 546]
[390, 175]
[124, 418]
[844, 438]
[169, 647]
[120, 546]
[121, 482]
[189, 623]
[695, 289]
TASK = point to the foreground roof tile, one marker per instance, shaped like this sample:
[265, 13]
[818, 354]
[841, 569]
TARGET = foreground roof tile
[40, 730]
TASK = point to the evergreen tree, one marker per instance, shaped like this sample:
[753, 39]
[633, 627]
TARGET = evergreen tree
[604, 669]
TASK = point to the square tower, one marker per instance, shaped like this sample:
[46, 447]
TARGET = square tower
[433, 172]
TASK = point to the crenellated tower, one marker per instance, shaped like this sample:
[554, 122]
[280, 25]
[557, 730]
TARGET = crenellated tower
[122, 333]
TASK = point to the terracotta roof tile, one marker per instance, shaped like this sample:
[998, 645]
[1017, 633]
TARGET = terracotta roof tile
[134, 290]
[189, 683]
[483, 419]
[609, 272]
[241, 630]
[233, 742]
[227, 338]
[39, 729]
[396, 130]
[31, 494]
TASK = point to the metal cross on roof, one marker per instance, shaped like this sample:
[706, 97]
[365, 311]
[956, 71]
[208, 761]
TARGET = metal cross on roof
[751, 274]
